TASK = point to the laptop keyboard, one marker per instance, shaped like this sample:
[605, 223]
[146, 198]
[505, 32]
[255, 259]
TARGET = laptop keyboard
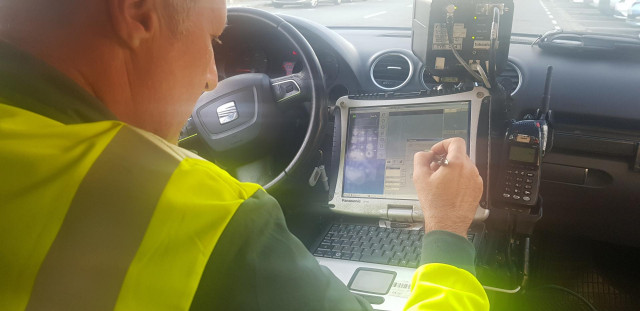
[373, 244]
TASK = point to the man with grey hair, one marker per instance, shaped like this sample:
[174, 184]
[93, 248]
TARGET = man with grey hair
[100, 210]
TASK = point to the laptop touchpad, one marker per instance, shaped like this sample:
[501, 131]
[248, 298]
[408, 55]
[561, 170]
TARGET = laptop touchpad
[373, 281]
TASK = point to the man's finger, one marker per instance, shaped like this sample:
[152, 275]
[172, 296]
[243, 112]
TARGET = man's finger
[454, 147]
[422, 162]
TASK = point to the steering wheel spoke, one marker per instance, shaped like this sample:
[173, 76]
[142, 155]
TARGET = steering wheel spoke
[294, 88]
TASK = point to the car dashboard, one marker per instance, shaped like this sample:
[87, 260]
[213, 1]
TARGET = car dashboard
[590, 173]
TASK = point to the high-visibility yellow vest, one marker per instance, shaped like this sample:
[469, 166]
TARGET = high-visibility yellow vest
[111, 192]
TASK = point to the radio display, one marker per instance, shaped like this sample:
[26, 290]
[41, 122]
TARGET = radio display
[522, 154]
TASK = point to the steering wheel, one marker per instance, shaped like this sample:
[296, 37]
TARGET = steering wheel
[240, 120]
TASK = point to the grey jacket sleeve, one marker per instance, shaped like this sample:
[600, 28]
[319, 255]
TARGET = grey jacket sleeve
[258, 264]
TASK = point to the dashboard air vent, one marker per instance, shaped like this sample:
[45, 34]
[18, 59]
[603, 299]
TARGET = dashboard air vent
[391, 71]
[510, 78]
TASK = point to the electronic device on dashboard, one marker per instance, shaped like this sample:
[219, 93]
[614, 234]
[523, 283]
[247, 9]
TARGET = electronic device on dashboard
[378, 139]
[479, 29]
[520, 179]
[525, 145]
[374, 246]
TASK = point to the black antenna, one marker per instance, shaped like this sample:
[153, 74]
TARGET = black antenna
[546, 98]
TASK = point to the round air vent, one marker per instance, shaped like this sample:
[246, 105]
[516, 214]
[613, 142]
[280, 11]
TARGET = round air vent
[427, 80]
[391, 71]
[510, 78]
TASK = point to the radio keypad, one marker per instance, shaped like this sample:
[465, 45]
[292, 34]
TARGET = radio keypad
[519, 183]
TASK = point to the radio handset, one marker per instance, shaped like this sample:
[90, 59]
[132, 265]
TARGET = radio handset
[525, 145]
[523, 152]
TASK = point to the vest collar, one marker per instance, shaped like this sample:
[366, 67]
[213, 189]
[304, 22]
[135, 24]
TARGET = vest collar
[31, 84]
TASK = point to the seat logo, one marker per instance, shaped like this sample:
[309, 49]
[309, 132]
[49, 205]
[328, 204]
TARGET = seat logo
[227, 113]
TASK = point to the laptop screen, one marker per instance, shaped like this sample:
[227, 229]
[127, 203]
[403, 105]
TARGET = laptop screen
[381, 142]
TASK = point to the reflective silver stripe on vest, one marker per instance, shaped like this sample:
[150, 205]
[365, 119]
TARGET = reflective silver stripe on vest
[104, 226]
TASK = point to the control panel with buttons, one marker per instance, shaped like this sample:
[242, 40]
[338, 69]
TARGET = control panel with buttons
[520, 183]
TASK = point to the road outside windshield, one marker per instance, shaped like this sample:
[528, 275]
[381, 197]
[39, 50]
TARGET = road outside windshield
[531, 16]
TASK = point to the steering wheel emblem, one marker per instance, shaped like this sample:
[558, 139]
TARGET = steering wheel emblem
[227, 112]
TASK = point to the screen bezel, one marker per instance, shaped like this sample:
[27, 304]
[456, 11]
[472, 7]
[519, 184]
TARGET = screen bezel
[380, 208]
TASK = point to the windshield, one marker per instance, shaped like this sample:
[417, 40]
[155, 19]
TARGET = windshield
[535, 17]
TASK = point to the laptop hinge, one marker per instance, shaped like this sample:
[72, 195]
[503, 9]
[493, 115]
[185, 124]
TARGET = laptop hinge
[400, 216]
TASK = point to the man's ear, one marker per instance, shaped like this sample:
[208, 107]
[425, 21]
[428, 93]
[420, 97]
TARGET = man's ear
[134, 20]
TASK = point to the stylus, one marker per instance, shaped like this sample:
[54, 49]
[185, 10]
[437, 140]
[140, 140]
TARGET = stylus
[441, 159]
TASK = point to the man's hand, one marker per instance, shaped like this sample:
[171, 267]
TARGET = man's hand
[448, 195]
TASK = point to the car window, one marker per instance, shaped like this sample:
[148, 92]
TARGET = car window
[618, 17]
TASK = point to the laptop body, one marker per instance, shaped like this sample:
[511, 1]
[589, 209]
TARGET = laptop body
[372, 249]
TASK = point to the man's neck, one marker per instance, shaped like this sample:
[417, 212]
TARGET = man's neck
[102, 79]
[93, 58]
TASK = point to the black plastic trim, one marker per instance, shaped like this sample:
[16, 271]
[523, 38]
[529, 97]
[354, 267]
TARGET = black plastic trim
[594, 145]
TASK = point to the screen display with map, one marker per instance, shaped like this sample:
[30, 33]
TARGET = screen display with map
[381, 142]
